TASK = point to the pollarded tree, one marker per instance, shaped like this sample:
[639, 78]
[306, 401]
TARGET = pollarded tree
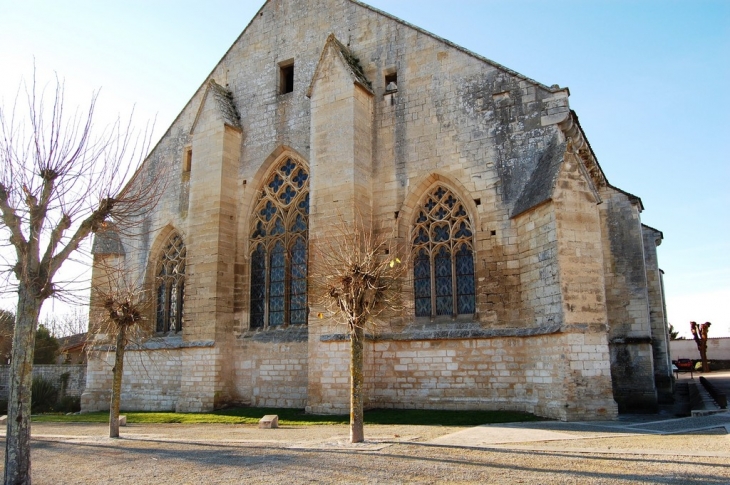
[699, 333]
[61, 179]
[356, 277]
[122, 304]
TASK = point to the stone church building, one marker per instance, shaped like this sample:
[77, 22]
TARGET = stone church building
[531, 284]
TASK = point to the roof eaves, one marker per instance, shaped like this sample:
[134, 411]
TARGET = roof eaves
[661, 234]
[633, 198]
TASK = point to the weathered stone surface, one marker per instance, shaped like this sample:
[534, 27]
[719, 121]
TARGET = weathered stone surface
[269, 421]
[563, 280]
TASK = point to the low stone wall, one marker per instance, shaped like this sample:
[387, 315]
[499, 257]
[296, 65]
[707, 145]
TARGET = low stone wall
[74, 383]
[717, 349]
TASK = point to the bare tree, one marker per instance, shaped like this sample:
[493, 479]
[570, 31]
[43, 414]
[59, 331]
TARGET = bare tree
[73, 322]
[699, 333]
[123, 305]
[356, 276]
[61, 179]
[674, 334]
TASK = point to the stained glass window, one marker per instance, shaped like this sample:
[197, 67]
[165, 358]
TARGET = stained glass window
[443, 261]
[279, 232]
[170, 284]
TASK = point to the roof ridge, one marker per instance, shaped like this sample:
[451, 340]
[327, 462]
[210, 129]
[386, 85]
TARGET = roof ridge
[466, 51]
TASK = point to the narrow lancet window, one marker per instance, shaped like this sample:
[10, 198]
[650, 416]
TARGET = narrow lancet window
[170, 285]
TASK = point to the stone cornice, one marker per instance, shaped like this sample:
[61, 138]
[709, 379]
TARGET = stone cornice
[471, 332]
[578, 145]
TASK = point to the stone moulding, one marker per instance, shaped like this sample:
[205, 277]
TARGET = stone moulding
[472, 333]
[164, 343]
[579, 145]
[292, 333]
[631, 340]
[453, 334]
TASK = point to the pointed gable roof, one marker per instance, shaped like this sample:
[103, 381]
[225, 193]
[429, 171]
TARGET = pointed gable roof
[552, 89]
[540, 186]
[223, 99]
[349, 60]
[107, 241]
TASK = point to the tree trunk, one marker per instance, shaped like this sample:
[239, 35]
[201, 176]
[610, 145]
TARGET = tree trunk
[703, 356]
[17, 442]
[117, 382]
[357, 434]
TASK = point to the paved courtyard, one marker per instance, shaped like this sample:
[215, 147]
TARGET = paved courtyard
[630, 450]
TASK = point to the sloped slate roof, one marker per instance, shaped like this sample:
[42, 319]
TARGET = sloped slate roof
[542, 181]
[107, 241]
[66, 343]
[227, 107]
[351, 62]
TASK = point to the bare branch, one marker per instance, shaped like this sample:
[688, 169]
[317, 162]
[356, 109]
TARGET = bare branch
[60, 180]
[356, 275]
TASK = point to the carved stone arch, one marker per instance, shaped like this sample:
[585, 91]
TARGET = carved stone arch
[262, 174]
[421, 189]
[440, 234]
[277, 227]
[163, 239]
[155, 248]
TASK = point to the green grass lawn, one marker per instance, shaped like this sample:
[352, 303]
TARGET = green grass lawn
[298, 417]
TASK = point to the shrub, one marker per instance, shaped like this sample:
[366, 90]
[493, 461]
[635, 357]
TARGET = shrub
[69, 404]
[43, 396]
[46, 346]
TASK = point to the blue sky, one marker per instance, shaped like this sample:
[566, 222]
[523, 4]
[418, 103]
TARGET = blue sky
[649, 81]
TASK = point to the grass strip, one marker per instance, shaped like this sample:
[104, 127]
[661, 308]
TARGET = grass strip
[294, 417]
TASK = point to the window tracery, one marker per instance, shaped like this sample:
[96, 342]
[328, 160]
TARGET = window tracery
[443, 257]
[170, 286]
[279, 236]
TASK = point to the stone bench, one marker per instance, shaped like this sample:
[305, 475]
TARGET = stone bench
[269, 421]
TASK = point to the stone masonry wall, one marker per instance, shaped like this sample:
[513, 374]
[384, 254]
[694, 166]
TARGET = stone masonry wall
[151, 380]
[717, 348]
[657, 315]
[75, 382]
[579, 247]
[632, 361]
[538, 263]
[271, 374]
[526, 374]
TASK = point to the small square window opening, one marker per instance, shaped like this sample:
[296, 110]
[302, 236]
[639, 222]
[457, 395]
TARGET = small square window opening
[286, 78]
[391, 82]
[187, 160]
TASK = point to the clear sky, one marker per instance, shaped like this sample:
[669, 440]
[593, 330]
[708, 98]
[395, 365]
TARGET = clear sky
[649, 79]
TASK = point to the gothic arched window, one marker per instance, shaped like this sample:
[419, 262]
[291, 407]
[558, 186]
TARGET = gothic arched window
[279, 233]
[170, 285]
[443, 257]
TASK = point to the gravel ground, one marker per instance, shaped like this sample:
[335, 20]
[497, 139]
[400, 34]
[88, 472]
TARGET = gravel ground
[227, 454]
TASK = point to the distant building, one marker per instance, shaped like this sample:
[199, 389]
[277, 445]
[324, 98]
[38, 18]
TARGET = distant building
[72, 349]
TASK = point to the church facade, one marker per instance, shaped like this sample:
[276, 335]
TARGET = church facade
[531, 283]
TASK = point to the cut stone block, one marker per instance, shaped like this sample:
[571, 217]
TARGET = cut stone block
[269, 421]
[122, 420]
